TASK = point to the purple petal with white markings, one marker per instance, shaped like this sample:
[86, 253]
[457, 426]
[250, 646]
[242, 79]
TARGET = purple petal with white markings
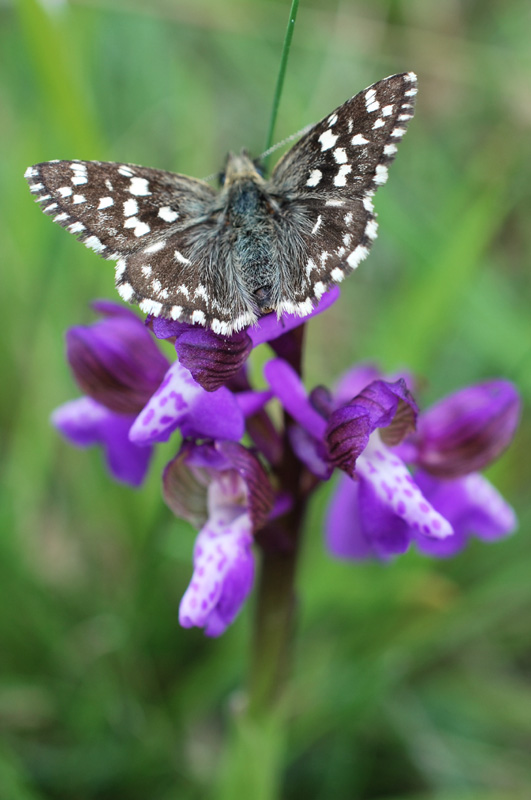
[181, 403]
[472, 505]
[223, 571]
[395, 488]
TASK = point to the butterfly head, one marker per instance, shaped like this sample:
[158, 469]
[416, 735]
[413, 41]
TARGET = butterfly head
[238, 167]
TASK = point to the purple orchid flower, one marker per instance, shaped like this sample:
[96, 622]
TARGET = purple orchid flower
[135, 398]
[224, 489]
[118, 365]
[380, 508]
[405, 477]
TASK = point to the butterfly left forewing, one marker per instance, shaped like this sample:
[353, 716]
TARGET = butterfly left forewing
[115, 208]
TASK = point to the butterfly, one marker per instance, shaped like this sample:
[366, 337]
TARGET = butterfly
[222, 259]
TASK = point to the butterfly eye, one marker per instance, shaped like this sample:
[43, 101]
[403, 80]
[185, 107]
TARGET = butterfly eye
[221, 178]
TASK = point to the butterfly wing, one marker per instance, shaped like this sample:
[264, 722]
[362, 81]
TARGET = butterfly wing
[326, 183]
[158, 226]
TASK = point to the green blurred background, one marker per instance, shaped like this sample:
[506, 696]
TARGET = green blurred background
[411, 680]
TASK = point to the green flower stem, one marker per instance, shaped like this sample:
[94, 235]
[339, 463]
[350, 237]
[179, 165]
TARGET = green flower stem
[282, 72]
[253, 763]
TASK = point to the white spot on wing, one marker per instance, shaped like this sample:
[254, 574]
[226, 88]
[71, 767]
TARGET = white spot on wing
[335, 203]
[390, 149]
[77, 180]
[126, 291]
[176, 312]
[65, 191]
[340, 155]
[154, 248]
[36, 187]
[31, 172]
[141, 229]
[120, 268]
[76, 227]
[139, 186]
[79, 198]
[150, 307]
[371, 229]
[359, 139]
[179, 257]
[127, 172]
[319, 289]
[337, 275]
[373, 106]
[94, 243]
[51, 207]
[61, 217]
[147, 270]
[201, 292]
[381, 174]
[317, 224]
[130, 207]
[105, 202]
[315, 177]
[379, 123]
[199, 316]
[341, 177]
[357, 256]
[387, 111]
[168, 214]
[327, 139]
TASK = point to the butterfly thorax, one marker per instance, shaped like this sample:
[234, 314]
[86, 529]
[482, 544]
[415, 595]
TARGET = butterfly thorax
[248, 212]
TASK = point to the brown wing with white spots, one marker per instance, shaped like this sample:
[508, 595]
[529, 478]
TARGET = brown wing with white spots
[162, 229]
[329, 177]
[113, 208]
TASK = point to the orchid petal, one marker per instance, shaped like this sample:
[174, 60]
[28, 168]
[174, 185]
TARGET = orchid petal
[396, 489]
[223, 575]
[289, 389]
[466, 431]
[472, 505]
[85, 422]
[181, 402]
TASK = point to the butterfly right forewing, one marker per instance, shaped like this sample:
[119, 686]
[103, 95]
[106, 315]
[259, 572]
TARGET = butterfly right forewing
[327, 180]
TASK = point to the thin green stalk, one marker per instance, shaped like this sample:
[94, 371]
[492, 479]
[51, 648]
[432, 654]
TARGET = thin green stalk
[282, 72]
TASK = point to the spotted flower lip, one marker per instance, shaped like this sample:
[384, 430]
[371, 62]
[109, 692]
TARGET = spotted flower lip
[85, 422]
[224, 488]
[115, 360]
[180, 402]
[467, 430]
[473, 507]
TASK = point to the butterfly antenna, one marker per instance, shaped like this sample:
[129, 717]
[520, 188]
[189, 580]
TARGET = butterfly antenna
[288, 139]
